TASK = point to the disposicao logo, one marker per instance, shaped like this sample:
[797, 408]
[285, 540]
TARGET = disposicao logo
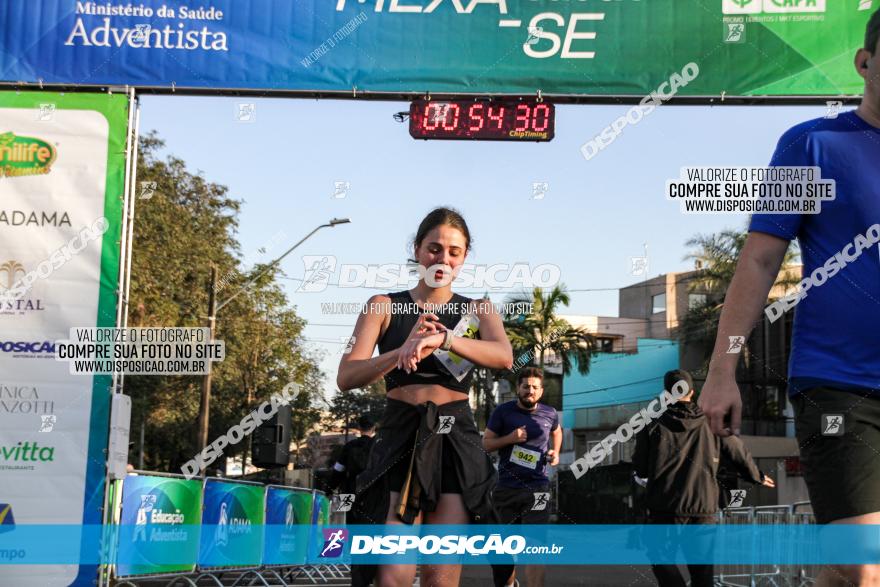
[24, 346]
[24, 155]
[7, 522]
[334, 542]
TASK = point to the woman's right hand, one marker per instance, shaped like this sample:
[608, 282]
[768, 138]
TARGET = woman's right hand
[427, 323]
[417, 348]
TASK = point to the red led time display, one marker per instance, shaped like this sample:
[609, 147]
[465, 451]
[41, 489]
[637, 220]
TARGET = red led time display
[496, 120]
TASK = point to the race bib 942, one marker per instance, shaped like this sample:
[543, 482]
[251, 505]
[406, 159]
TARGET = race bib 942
[525, 457]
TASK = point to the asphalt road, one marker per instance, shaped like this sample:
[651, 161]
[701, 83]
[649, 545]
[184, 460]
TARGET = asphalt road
[569, 576]
[481, 576]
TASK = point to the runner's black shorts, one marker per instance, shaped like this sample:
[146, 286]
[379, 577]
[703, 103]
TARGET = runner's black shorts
[448, 477]
[515, 506]
[841, 464]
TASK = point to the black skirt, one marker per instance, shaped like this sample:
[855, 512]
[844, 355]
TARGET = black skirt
[448, 476]
[440, 449]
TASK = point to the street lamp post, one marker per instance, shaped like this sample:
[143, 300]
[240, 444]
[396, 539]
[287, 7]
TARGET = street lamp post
[205, 402]
[213, 308]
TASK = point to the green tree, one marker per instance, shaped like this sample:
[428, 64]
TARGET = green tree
[541, 332]
[185, 228]
[716, 256]
[534, 335]
[351, 404]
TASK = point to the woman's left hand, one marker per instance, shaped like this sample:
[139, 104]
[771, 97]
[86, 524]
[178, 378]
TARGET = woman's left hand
[417, 348]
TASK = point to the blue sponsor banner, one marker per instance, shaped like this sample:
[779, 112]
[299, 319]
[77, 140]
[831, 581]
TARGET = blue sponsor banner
[318, 537]
[232, 524]
[418, 46]
[453, 544]
[288, 524]
[158, 513]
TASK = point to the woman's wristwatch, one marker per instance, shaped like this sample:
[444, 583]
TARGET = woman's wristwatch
[447, 340]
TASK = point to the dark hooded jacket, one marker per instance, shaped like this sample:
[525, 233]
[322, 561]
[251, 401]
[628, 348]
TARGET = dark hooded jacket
[680, 456]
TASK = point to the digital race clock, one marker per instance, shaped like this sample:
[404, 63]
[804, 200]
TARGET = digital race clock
[496, 120]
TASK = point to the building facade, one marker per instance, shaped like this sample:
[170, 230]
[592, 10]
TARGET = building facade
[652, 335]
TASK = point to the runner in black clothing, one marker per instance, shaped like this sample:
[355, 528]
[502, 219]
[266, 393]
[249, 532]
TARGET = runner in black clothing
[416, 472]
[834, 367]
[352, 462]
[679, 455]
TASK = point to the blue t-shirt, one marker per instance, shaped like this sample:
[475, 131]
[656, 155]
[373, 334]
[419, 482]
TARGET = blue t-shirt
[837, 324]
[518, 472]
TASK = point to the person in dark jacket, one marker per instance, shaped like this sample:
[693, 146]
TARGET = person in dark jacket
[679, 455]
[352, 462]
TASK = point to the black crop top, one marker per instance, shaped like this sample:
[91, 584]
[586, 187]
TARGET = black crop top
[404, 314]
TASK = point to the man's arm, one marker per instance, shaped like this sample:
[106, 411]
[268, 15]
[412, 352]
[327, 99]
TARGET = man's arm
[756, 271]
[733, 450]
[555, 446]
[337, 477]
[492, 437]
[493, 442]
[641, 453]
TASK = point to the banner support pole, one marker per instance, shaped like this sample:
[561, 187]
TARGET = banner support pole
[125, 242]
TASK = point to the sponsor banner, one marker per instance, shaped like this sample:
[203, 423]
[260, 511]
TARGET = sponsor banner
[61, 170]
[322, 509]
[744, 47]
[569, 544]
[288, 522]
[232, 524]
[158, 512]
[320, 520]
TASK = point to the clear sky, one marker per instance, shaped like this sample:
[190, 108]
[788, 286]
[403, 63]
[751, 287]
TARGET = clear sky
[594, 217]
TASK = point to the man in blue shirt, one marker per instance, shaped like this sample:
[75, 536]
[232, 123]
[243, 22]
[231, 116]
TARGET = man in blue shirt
[834, 370]
[528, 437]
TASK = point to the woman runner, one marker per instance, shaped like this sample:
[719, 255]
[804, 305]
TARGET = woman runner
[425, 467]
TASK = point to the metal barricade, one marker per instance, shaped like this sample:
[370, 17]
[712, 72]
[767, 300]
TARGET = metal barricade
[736, 575]
[777, 517]
[802, 513]
[785, 570]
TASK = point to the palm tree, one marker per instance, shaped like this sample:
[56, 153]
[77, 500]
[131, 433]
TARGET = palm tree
[538, 332]
[542, 331]
[716, 256]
